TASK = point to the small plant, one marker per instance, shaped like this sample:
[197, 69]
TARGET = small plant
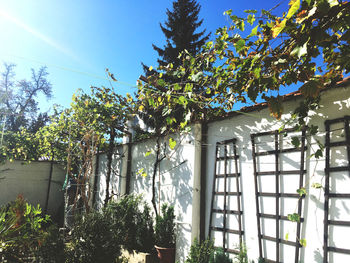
[242, 256]
[220, 257]
[145, 238]
[52, 248]
[131, 219]
[21, 229]
[201, 252]
[165, 227]
[93, 241]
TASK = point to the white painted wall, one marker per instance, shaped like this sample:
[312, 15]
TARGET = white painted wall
[335, 104]
[176, 181]
[114, 187]
[31, 180]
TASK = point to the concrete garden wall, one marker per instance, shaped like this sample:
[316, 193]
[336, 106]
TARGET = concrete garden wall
[32, 180]
[175, 182]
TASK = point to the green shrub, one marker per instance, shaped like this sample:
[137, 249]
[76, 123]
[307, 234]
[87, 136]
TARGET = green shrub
[52, 248]
[21, 229]
[165, 227]
[145, 239]
[200, 252]
[131, 220]
[93, 241]
[242, 256]
[220, 257]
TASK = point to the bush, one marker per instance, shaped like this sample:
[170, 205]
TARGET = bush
[165, 227]
[21, 229]
[93, 241]
[52, 249]
[220, 257]
[201, 252]
[242, 256]
[131, 219]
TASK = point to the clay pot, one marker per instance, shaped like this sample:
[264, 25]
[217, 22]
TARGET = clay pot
[166, 255]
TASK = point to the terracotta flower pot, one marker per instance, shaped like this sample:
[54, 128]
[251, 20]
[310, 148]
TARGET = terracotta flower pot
[166, 255]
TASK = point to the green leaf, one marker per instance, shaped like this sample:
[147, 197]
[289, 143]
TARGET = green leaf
[276, 106]
[313, 130]
[251, 19]
[294, 7]
[278, 28]
[301, 191]
[316, 185]
[294, 217]
[182, 101]
[295, 142]
[287, 236]
[148, 153]
[318, 153]
[302, 242]
[172, 143]
[183, 124]
[332, 2]
[311, 89]
[256, 72]
[250, 11]
[239, 45]
[141, 172]
[196, 77]
[299, 51]
[254, 31]
[240, 25]
[228, 12]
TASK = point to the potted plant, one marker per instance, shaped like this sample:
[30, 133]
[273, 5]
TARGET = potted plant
[165, 234]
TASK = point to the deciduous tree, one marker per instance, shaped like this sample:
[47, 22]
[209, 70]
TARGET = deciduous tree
[18, 102]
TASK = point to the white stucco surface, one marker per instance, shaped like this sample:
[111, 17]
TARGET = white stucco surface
[334, 104]
[114, 187]
[174, 182]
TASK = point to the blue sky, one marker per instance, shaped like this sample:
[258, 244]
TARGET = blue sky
[77, 40]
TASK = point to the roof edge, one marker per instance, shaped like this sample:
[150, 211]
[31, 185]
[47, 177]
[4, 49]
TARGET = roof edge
[263, 105]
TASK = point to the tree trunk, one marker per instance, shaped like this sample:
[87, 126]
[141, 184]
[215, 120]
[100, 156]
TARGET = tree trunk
[155, 167]
[109, 164]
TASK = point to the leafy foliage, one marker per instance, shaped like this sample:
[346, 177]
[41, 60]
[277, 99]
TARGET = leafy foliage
[52, 248]
[21, 229]
[294, 217]
[308, 45]
[220, 257]
[132, 221]
[201, 252]
[93, 240]
[165, 227]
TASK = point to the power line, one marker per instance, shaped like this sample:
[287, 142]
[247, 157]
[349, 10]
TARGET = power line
[89, 74]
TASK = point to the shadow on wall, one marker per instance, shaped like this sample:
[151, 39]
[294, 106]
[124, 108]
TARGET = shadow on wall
[173, 185]
[114, 185]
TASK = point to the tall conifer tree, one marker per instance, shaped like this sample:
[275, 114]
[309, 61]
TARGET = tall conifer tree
[180, 32]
